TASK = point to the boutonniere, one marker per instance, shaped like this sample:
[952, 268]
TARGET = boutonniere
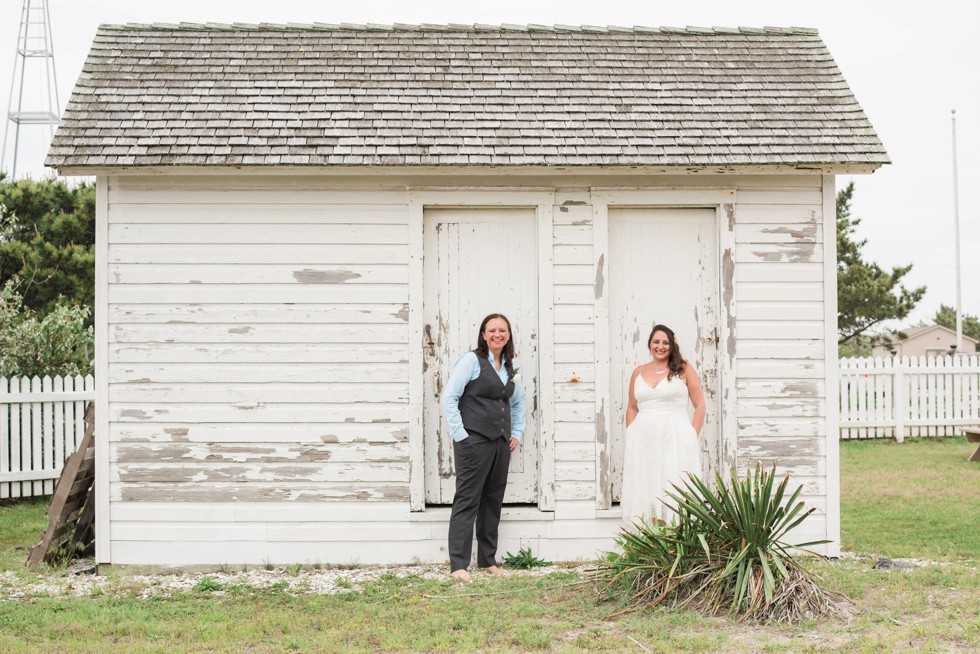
[516, 376]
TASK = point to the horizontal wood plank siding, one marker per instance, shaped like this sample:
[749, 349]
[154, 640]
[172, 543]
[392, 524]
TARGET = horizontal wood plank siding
[258, 433]
[256, 344]
[210, 533]
[574, 399]
[780, 335]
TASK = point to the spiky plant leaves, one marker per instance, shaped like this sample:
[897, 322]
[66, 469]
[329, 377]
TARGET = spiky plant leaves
[724, 551]
[523, 560]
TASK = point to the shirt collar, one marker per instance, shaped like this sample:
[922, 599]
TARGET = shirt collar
[503, 359]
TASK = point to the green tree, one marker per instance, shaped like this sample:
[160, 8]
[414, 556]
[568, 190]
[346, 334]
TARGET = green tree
[866, 295]
[57, 343]
[946, 316]
[861, 345]
[47, 241]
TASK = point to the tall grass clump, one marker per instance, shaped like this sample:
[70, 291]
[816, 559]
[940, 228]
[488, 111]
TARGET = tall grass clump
[724, 552]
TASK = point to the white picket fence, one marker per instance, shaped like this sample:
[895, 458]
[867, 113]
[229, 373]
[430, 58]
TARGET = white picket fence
[41, 423]
[908, 396]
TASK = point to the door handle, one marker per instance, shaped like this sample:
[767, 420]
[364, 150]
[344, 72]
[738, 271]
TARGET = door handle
[427, 341]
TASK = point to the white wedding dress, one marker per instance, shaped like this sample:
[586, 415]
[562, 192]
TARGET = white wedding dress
[661, 447]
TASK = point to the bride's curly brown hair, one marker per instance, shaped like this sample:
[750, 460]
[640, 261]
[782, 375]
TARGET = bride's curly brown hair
[675, 361]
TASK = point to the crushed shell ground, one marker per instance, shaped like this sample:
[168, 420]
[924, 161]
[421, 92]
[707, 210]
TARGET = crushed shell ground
[78, 580]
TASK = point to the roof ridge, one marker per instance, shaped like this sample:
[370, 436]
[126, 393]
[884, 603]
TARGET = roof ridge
[458, 27]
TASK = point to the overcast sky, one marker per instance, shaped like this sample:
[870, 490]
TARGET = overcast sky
[908, 63]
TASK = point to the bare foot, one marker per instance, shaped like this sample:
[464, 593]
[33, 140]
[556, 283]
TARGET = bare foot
[494, 570]
[460, 575]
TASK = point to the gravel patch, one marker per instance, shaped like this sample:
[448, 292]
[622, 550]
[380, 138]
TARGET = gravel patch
[883, 563]
[78, 580]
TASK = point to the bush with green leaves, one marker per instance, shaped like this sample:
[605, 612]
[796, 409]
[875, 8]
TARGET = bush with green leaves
[57, 343]
[47, 241]
[724, 552]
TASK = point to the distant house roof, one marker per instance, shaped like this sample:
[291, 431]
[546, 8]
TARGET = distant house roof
[915, 332]
[925, 340]
[342, 95]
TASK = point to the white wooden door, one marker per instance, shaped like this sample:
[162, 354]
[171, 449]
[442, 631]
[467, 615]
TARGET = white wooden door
[663, 268]
[477, 262]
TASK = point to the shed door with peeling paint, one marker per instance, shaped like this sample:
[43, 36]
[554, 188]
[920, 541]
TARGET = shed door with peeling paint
[477, 262]
[663, 268]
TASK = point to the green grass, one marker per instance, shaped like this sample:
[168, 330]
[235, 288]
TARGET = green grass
[926, 609]
[916, 500]
[919, 499]
[21, 524]
[389, 615]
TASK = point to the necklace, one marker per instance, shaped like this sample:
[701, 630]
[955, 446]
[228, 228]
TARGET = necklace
[660, 372]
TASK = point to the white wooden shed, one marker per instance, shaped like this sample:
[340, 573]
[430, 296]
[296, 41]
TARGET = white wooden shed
[300, 226]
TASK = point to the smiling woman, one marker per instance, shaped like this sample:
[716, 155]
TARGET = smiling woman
[484, 405]
[661, 442]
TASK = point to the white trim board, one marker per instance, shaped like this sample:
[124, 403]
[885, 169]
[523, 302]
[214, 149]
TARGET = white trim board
[101, 436]
[723, 200]
[831, 363]
[542, 201]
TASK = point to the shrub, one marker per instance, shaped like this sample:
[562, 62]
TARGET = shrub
[724, 552]
[59, 343]
[47, 240]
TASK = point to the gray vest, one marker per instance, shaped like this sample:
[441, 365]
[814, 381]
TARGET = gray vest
[485, 402]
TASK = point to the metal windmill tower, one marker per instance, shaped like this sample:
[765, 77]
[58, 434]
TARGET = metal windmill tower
[35, 49]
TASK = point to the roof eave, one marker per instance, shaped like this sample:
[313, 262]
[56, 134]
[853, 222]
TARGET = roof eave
[457, 169]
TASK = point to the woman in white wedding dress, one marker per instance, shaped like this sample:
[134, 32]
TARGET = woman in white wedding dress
[661, 439]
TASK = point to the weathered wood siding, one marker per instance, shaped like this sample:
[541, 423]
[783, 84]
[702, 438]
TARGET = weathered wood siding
[781, 317]
[258, 347]
[780, 335]
[257, 342]
[575, 383]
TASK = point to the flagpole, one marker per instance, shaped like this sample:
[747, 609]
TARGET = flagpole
[956, 242]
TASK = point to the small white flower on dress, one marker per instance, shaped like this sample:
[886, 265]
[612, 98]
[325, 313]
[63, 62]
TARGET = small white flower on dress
[516, 377]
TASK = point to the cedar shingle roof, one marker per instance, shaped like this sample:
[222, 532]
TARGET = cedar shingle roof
[325, 95]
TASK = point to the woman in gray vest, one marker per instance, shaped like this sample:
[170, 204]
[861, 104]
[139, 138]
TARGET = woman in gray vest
[483, 402]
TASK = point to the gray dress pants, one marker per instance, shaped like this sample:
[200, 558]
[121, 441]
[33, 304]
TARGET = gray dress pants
[481, 479]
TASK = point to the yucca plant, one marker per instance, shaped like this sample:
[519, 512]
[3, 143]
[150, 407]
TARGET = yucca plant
[724, 551]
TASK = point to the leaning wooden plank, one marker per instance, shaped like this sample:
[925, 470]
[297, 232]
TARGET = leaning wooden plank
[60, 534]
[66, 528]
[81, 485]
[85, 527]
[72, 505]
[973, 436]
[62, 493]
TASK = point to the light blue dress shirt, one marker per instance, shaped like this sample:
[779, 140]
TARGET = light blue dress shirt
[466, 369]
